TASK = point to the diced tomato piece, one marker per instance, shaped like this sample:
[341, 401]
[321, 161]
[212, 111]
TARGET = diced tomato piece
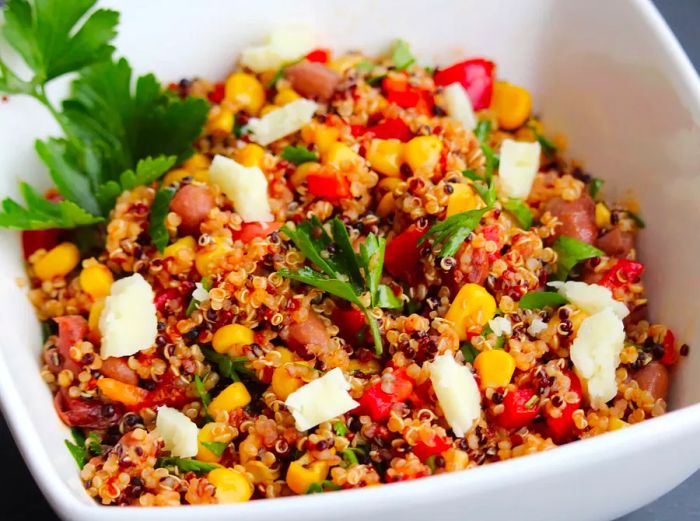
[377, 403]
[403, 254]
[670, 353]
[622, 273]
[216, 95]
[86, 413]
[166, 393]
[250, 231]
[319, 55]
[561, 428]
[352, 324]
[328, 186]
[519, 408]
[33, 240]
[163, 297]
[475, 75]
[390, 128]
[436, 445]
[493, 233]
[400, 92]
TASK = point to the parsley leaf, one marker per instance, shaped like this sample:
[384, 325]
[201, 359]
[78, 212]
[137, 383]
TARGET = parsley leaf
[469, 352]
[386, 298]
[202, 392]
[322, 486]
[298, 155]
[401, 55]
[340, 428]
[570, 252]
[521, 211]
[156, 224]
[594, 187]
[485, 189]
[228, 367]
[94, 444]
[147, 171]
[207, 284]
[216, 447]
[334, 286]
[77, 447]
[483, 130]
[187, 465]
[364, 66]
[542, 299]
[451, 233]
[636, 218]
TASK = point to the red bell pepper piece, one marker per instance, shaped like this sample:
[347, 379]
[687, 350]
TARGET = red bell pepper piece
[377, 404]
[519, 409]
[670, 354]
[436, 445]
[352, 323]
[328, 186]
[403, 94]
[33, 240]
[319, 56]
[390, 128]
[622, 273]
[163, 297]
[475, 75]
[250, 231]
[560, 428]
[492, 233]
[403, 254]
[216, 95]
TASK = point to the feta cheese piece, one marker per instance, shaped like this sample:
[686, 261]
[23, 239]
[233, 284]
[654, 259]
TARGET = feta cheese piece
[536, 327]
[245, 186]
[128, 322]
[590, 298]
[321, 400]
[282, 121]
[501, 326]
[178, 432]
[457, 393]
[596, 354]
[459, 106]
[283, 46]
[519, 164]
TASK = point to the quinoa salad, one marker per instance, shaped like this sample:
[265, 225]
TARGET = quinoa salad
[325, 271]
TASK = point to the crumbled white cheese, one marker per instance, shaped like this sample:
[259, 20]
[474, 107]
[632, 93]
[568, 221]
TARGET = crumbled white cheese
[321, 400]
[282, 121]
[519, 164]
[596, 354]
[501, 326]
[283, 46]
[245, 186]
[536, 327]
[457, 393]
[128, 322]
[178, 432]
[459, 106]
[590, 298]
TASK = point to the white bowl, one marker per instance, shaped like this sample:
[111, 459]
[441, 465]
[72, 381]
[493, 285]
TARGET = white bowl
[609, 74]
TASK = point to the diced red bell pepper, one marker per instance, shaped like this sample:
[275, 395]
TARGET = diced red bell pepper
[560, 428]
[403, 254]
[163, 297]
[328, 186]
[622, 273]
[475, 75]
[33, 240]
[436, 445]
[377, 404]
[399, 91]
[492, 233]
[319, 55]
[352, 323]
[390, 128]
[670, 353]
[250, 231]
[519, 409]
[216, 95]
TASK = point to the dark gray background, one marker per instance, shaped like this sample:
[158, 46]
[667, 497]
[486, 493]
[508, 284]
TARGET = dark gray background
[22, 500]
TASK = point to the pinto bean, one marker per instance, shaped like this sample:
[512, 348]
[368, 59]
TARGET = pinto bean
[616, 243]
[192, 203]
[653, 377]
[312, 80]
[577, 218]
[310, 331]
[119, 369]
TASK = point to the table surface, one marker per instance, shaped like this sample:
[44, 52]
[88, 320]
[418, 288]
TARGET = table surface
[22, 499]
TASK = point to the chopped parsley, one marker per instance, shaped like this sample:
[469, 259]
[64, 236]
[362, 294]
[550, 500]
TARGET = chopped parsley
[298, 155]
[521, 211]
[570, 252]
[216, 447]
[451, 233]
[156, 224]
[542, 299]
[401, 55]
[187, 465]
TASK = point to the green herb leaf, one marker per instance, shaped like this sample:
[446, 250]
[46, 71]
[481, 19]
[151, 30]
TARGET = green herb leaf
[228, 367]
[364, 66]
[334, 286]
[387, 299]
[239, 129]
[322, 486]
[521, 211]
[159, 210]
[202, 392]
[401, 55]
[372, 262]
[340, 428]
[207, 284]
[636, 218]
[346, 260]
[469, 352]
[375, 80]
[570, 252]
[483, 130]
[311, 239]
[542, 299]
[451, 233]
[548, 147]
[147, 171]
[298, 155]
[532, 402]
[492, 161]
[349, 456]
[94, 444]
[216, 447]
[594, 187]
[77, 452]
[187, 465]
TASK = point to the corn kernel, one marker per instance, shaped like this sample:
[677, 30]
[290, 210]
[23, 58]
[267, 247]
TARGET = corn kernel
[58, 262]
[245, 91]
[231, 335]
[94, 316]
[177, 175]
[495, 368]
[206, 435]
[285, 96]
[385, 156]
[462, 199]
[299, 175]
[301, 477]
[422, 153]
[204, 258]
[220, 122]
[251, 155]
[231, 486]
[472, 306]
[325, 137]
[386, 205]
[511, 103]
[602, 216]
[615, 424]
[390, 183]
[262, 473]
[284, 384]
[235, 396]
[285, 354]
[183, 244]
[96, 280]
[197, 162]
[338, 154]
[371, 366]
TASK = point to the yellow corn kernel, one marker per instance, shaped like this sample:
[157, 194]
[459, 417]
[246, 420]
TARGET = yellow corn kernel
[511, 103]
[245, 91]
[207, 435]
[325, 137]
[423, 153]
[339, 154]
[94, 316]
[231, 335]
[299, 175]
[96, 280]
[262, 473]
[386, 205]
[389, 183]
[615, 424]
[343, 63]
[385, 156]
[495, 368]
[177, 175]
[284, 384]
[251, 155]
[462, 199]
[183, 244]
[58, 262]
[473, 306]
[231, 486]
[602, 216]
[204, 258]
[371, 366]
[235, 396]
[197, 162]
[285, 354]
[301, 477]
[220, 122]
[285, 96]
